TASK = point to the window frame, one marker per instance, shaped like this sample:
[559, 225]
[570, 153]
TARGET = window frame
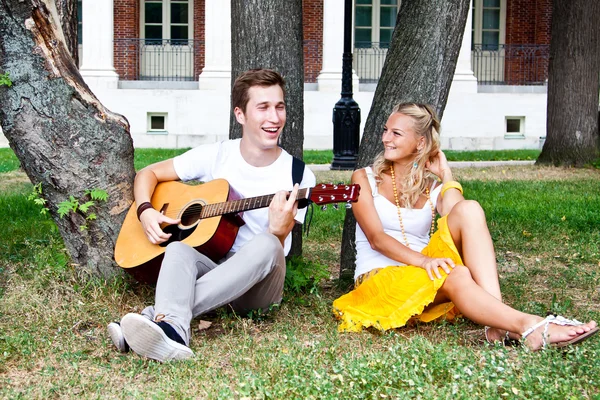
[166, 18]
[477, 25]
[514, 135]
[151, 131]
[375, 21]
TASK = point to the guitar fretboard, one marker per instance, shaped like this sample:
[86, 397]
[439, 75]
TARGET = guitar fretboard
[247, 204]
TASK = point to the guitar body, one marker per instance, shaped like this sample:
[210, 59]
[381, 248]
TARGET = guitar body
[210, 220]
[213, 236]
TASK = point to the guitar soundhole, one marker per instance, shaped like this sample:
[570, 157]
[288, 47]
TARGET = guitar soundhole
[191, 215]
[189, 220]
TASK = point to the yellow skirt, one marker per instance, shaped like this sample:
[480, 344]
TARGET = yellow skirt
[395, 294]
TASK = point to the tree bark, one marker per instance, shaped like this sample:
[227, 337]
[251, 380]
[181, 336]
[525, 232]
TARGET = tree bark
[67, 14]
[65, 139]
[268, 34]
[419, 67]
[573, 82]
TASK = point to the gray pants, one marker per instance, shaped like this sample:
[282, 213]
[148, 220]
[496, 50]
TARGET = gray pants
[190, 284]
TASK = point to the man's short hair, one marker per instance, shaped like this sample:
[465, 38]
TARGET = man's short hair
[254, 77]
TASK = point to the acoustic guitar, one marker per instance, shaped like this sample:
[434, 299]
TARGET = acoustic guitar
[211, 215]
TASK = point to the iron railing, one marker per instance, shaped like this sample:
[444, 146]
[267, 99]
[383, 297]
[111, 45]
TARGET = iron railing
[157, 59]
[368, 60]
[510, 64]
[525, 64]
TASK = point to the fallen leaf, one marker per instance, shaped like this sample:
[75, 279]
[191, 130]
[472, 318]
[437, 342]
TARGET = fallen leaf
[203, 325]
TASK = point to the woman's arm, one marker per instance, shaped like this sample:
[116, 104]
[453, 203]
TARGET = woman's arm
[446, 200]
[368, 219]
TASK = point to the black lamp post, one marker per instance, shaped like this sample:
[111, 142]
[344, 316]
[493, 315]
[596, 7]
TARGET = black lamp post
[346, 113]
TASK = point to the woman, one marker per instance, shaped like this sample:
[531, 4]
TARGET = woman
[404, 270]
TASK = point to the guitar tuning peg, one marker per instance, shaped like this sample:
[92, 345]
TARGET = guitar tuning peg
[348, 205]
[324, 207]
[335, 206]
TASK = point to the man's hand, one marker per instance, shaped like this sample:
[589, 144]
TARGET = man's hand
[151, 220]
[282, 212]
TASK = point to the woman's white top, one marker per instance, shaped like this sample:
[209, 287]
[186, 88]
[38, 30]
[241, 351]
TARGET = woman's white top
[417, 224]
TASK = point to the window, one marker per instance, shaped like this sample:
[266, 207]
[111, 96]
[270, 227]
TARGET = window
[157, 123]
[515, 127]
[489, 20]
[166, 20]
[374, 22]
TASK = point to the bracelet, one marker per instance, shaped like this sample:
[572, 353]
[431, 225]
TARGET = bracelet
[143, 207]
[451, 185]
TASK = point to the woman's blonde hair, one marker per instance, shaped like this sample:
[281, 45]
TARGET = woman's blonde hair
[426, 125]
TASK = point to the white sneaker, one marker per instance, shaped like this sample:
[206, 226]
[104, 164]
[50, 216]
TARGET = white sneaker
[155, 340]
[116, 335]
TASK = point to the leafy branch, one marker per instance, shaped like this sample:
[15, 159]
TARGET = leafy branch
[5, 80]
[36, 197]
[73, 205]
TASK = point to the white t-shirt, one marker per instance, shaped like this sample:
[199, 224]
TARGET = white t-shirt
[417, 224]
[224, 160]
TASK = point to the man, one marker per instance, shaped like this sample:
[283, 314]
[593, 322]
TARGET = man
[251, 276]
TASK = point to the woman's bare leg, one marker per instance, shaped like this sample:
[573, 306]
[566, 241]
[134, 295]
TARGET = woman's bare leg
[472, 238]
[483, 308]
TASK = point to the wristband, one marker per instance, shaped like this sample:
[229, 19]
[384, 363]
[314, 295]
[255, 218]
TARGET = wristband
[451, 185]
[143, 207]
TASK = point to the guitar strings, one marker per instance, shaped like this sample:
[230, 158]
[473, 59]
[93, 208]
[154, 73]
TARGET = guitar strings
[195, 208]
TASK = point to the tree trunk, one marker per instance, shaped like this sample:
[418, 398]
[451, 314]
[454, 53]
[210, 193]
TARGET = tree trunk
[65, 139]
[268, 34]
[573, 82]
[419, 67]
[67, 14]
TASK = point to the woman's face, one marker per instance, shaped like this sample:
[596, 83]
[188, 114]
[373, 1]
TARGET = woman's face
[399, 139]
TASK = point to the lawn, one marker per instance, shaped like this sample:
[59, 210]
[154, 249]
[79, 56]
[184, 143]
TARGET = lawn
[546, 228]
[143, 157]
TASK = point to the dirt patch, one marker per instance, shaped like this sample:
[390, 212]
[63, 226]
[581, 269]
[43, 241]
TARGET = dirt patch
[13, 181]
[527, 172]
[500, 173]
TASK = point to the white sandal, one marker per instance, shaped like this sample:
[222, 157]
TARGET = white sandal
[559, 320]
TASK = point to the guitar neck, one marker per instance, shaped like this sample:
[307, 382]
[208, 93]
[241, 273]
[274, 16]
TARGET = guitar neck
[247, 204]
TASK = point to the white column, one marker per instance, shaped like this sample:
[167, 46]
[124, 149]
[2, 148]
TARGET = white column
[216, 73]
[97, 67]
[330, 77]
[463, 75]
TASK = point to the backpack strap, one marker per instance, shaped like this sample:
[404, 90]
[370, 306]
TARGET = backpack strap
[297, 174]
[297, 170]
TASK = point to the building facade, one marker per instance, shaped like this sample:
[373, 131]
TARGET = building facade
[165, 66]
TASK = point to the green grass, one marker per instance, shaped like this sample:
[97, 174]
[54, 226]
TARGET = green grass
[8, 160]
[492, 155]
[143, 157]
[326, 156]
[318, 156]
[53, 341]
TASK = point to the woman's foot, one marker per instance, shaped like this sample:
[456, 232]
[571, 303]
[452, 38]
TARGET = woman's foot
[493, 335]
[507, 338]
[558, 331]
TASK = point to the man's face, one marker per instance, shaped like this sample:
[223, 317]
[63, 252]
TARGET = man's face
[265, 116]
